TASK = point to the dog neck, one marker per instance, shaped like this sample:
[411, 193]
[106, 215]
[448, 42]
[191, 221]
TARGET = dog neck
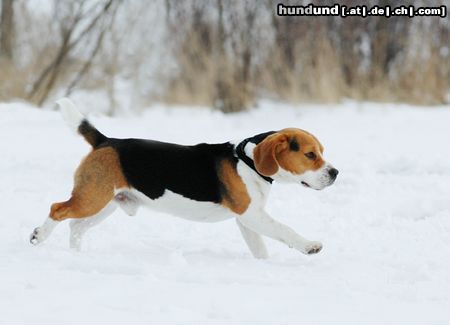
[240, 152]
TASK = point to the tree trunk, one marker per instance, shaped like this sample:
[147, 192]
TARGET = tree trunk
[7, 29]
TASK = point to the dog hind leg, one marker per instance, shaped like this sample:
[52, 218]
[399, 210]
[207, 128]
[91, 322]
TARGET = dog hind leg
[41, 233]
[95, 181]
[78, 227]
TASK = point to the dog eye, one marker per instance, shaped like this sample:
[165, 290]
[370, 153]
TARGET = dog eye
[311, 155]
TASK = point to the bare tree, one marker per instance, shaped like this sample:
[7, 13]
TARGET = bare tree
[46, 80]
[7, 29]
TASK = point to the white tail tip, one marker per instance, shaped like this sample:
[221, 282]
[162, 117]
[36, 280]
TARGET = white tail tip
[70, 113]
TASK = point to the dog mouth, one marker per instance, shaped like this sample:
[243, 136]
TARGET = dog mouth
[309, 186]
[305, 184]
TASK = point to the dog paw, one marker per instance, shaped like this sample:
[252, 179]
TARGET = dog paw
[313, 248]
[34, 237]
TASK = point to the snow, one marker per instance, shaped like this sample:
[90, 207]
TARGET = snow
[384, 225]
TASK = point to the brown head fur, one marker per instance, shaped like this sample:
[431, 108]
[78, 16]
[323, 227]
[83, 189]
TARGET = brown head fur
[288, 149]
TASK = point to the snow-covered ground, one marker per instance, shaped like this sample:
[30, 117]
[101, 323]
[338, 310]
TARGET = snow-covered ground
[385, 226]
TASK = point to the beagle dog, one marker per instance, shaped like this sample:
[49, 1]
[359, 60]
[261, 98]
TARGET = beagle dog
[203, 182]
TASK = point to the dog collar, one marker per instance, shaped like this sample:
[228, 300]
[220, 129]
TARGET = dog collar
[240, 152]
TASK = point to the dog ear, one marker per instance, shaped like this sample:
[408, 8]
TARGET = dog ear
[265, 154]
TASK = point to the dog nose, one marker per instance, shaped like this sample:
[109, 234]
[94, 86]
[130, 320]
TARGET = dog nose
[333, 173]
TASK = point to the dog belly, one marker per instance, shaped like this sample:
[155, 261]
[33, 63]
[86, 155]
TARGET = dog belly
[177, 205]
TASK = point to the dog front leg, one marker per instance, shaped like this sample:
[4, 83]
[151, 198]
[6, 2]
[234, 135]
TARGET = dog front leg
[262, 223]
[254, 241]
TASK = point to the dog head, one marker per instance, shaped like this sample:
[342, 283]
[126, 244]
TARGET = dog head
[295, 156]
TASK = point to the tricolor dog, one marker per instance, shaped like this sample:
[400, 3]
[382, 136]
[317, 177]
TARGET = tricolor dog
[203, 182]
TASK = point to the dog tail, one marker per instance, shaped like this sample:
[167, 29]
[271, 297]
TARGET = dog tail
[78, 123]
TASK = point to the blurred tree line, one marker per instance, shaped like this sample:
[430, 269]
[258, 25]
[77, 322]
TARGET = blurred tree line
[222, 53]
